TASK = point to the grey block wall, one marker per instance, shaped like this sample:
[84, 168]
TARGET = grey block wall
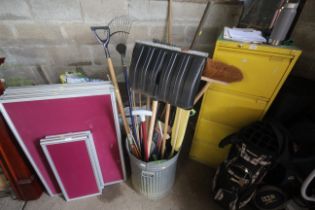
[303, 36]
[44, 38]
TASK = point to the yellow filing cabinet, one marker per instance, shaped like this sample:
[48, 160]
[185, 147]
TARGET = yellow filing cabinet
[227, 108]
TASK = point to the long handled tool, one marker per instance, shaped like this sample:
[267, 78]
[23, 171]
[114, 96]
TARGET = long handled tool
[215, 72]
[143, 114]
[182, 116]
[201, 23]
[151, 128]
[102, 33]
[167, 74]
[167, 106]
[120, 27]
[218, 72]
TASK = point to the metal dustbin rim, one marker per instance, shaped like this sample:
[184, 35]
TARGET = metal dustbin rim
[156, 165]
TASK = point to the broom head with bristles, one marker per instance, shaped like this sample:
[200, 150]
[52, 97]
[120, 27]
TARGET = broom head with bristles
[222, 72]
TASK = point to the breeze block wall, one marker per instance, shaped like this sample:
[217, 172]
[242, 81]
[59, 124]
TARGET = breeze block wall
[43, 38]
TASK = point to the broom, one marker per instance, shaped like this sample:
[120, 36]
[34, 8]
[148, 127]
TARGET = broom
[120, 28]
[218, 72]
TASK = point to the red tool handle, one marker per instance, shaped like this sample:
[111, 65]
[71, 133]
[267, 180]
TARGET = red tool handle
[144, 139]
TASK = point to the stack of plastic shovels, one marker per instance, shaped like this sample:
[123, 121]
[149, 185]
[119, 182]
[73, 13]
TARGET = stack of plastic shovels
[165, 73]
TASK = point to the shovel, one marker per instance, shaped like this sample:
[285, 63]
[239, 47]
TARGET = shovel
[167, 74]
[215, 71]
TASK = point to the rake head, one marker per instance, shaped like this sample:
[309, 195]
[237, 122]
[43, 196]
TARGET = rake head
[120, 27]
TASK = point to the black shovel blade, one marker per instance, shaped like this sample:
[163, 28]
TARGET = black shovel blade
[190, 82]
[167, 74]
[136, 66]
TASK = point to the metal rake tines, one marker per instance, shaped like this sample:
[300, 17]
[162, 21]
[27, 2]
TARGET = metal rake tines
[120, 28]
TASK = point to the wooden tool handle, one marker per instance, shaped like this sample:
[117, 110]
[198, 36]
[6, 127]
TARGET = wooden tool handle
[134, 149]
[168, 106]
[148, 107]
[201, 92]
[167, 117]
[201, 23]
[151, 128]
[170, 22]
[148, 103]
[118, 96]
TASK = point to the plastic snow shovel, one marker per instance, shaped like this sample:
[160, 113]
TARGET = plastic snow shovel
[214, 72]
[225, 75]
[154, 70]
[163, 71]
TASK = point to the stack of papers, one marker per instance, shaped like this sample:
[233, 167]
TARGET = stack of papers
[243, 35]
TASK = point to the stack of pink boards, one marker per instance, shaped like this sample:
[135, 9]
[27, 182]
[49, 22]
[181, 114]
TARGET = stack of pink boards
[88, 113]
[67, 155]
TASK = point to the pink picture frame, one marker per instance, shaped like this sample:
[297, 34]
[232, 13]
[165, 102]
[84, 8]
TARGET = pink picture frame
[72, 160]
[31, 118]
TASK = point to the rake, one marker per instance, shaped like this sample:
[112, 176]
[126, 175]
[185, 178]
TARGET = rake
[120, 29]
[102, 34]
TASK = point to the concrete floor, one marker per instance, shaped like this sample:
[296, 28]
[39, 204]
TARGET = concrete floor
[191, 191]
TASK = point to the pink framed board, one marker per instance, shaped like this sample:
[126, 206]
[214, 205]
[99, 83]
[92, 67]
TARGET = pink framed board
[33, 118]
[72, 162]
